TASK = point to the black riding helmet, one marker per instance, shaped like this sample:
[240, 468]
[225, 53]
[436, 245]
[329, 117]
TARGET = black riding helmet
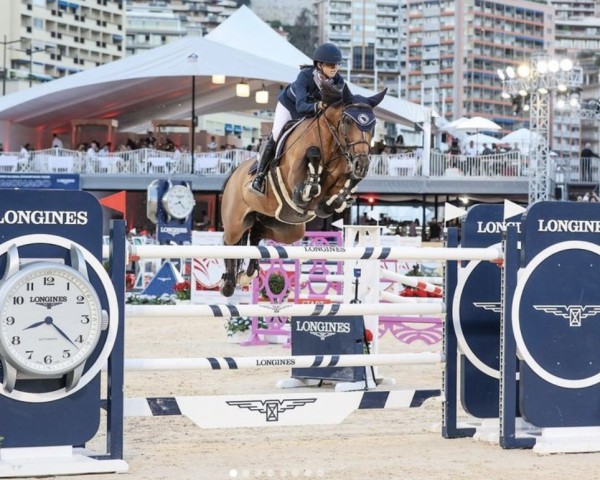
[327, 53]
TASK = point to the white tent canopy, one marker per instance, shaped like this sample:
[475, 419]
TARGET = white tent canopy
[157, 84]
[477, 124]
[522, 138]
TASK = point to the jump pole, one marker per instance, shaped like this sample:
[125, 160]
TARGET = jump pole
[298, 361]
[137, 252]
[287, 310]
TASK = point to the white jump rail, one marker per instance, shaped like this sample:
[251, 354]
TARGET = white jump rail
[392, 297]
[281, 310]
[415, 282]
[298, 361]
[137, 252]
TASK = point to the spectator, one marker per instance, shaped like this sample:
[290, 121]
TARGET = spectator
[56, 142]
[434, 230]
[585, 163]
[454, 148]
[212, 145]
[469, 159]
[412, 228]
[487, 150]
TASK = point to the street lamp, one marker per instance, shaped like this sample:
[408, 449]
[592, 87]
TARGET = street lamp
[540, 79]
[30, 51]
[4, 44]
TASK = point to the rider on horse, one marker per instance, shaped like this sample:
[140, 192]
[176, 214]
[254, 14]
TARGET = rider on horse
[300, 99]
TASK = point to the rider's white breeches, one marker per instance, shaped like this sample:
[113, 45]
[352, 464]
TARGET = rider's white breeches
[282, 116]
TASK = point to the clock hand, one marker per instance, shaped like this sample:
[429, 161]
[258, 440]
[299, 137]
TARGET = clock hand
[61, 332]
[36, 324]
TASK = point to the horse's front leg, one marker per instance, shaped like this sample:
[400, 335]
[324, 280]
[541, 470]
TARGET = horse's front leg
[338, 202]
[245, 277]
[228, 282]
[305, 191]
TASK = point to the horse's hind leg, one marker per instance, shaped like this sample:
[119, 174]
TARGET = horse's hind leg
[232, 266]
[305, 191]
[244, 278]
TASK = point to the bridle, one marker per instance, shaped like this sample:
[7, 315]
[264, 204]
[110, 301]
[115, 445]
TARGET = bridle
[341, 140]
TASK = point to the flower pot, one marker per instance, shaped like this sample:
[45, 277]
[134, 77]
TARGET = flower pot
[239, 337]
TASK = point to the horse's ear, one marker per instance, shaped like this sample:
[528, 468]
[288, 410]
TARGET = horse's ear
[347, 94]
[377, 98]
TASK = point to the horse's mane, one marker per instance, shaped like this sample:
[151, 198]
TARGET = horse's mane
[331, 93]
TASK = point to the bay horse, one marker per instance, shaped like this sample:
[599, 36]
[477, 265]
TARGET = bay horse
[318, 165]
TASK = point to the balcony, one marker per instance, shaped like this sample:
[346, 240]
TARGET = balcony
[152, 162]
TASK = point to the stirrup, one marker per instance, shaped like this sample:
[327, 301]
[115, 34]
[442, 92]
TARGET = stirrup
[257, 191]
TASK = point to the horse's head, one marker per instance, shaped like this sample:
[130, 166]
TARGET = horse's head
[356, 129]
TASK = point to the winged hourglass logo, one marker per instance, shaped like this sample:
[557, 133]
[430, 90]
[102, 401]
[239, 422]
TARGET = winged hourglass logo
[491, 306]
[271, 408]
[573, 313]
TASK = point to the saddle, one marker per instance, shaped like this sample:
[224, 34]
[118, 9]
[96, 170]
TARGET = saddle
[288, 128]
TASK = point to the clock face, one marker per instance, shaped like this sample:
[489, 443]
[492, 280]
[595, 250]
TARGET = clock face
[50, 319]
[179, 201]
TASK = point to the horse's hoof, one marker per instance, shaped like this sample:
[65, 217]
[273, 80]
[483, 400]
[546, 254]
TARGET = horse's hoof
[227, 289]
[297, 196]
[243, 279]
[323, 210]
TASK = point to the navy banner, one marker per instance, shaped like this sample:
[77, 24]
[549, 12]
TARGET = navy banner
[556, 315]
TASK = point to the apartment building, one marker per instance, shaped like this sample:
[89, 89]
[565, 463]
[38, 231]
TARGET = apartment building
[368, 32]
[150, 25]
[46, 39]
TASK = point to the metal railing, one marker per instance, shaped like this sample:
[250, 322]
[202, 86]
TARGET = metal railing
[152, 162]
[143, 161]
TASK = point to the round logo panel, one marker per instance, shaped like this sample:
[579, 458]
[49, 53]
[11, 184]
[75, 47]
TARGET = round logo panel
[556, 314]
[476, 315]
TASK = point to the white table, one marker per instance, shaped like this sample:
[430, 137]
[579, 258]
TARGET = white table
[206, 164]
[158, 164]
[9, 163]
[402, 166]
[60, 164]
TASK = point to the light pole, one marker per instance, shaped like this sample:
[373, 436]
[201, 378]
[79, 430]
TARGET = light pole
[540, 79]
[30, 51]
[4, 44]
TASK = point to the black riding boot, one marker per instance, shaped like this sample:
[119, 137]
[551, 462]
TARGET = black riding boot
[266, 157]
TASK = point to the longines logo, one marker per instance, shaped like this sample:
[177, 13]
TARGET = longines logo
[491, 306]
[573, 313]
[43, 217]
[324, 248]
[323, 329]
[48, 302]
[496, 227]
[571, 226]
[271, 408]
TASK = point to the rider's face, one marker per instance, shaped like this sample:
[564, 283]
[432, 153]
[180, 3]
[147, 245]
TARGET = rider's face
[329, 69]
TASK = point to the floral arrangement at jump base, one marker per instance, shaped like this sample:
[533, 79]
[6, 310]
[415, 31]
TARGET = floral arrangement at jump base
[368, 340]
[183, 290]
[241, 325]
[141, 299]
